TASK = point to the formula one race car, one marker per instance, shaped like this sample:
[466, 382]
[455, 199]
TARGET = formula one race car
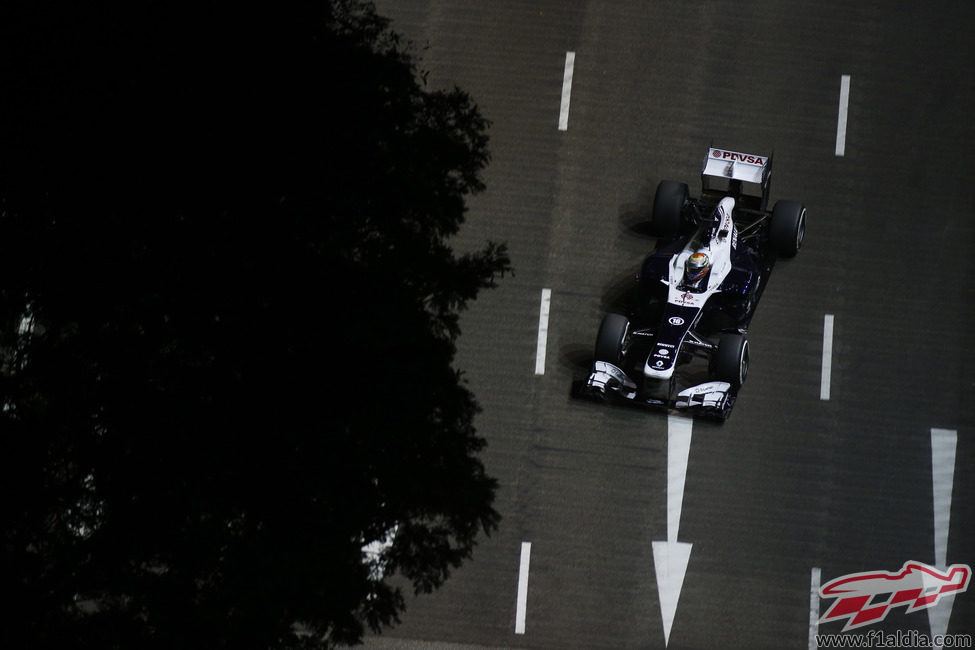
[697, 292]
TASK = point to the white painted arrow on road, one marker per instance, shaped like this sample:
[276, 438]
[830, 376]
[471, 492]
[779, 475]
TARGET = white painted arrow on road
[943, 443]
[670, 558]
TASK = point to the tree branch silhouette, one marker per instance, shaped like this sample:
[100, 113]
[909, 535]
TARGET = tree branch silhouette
[228, 316]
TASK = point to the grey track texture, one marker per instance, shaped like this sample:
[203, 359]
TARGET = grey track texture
[791, 482]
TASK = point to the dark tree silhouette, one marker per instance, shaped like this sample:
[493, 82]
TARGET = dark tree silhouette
[228, 310]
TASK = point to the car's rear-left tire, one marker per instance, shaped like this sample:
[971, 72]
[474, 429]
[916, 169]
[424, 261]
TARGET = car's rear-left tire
[611, 338]
[788, 227]
[668, 207]
[730, 361]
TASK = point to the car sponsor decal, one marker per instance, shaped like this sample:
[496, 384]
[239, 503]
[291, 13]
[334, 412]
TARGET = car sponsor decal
[661, 358]
[734, 156]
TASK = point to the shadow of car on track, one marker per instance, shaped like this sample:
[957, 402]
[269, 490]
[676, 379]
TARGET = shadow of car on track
[634, 217]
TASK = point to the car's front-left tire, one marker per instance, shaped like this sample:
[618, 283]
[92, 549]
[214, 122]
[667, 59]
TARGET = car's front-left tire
[730, 361]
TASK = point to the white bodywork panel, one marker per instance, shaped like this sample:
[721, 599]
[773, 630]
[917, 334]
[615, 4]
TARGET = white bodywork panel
[710, 394]
[603, 373]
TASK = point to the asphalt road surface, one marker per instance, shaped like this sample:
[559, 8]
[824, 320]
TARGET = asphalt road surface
[852, 442]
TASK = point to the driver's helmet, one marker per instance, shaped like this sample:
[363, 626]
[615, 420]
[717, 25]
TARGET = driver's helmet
[696, 269]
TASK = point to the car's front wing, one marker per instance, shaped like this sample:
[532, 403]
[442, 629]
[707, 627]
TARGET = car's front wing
[712, 399]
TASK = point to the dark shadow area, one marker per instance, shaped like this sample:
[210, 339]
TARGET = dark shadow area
[227, 325]
[620, 292]
[577, 357]
[635, 217]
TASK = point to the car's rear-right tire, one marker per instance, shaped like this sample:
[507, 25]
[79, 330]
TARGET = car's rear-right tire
[788, 227]
[611, 338]
[668, 207]
[730, 361]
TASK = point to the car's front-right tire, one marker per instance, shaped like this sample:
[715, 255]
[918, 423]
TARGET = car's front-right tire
[611, 339]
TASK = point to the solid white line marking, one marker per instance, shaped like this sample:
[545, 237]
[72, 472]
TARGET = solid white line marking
[570, 60]
[542, 331]
[841, 119]
[827, 357]
[526, 554]
[814, 607]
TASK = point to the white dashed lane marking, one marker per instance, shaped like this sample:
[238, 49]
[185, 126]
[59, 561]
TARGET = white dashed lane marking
[570, 61]
[842, 114]
[814, 581]
[542, 331]
[827, 357]
[522, 604]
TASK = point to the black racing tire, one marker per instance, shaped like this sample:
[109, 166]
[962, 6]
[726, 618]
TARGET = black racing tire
[730, 361]
[609, 341]
[668, 207]
[788, 227]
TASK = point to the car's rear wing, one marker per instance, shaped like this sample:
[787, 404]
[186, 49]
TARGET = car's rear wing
[736, 167]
